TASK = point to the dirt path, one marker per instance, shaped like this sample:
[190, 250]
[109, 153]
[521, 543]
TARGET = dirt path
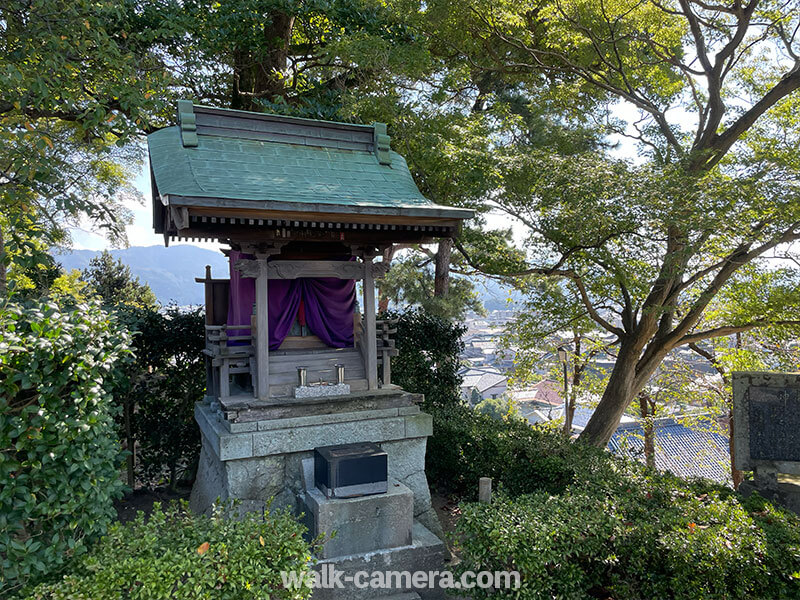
[142, 499]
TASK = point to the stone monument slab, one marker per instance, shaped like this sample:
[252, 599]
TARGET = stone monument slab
[766, 433]
[766, 421]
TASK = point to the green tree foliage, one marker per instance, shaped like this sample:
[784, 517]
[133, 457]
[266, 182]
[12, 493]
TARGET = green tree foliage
[174, 554]
[497, 408]
[411, 283]
[648, 246]
[163, 382]
[428, 359]
[302, 58]
[553, 320]
[475, 397]
[59, 452]
[113, 282]
[79, 83]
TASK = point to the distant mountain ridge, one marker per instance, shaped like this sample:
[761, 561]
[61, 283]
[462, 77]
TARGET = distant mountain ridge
[170, 272]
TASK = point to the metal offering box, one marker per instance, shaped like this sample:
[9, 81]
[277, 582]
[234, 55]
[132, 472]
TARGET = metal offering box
[350, 470]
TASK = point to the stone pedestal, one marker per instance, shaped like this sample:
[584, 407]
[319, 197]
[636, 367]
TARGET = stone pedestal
[363, 524]
[369, 534]
[785, 494]
[425, 553]
[256, 453]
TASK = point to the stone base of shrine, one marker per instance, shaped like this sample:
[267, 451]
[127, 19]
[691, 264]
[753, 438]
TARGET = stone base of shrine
[425, 554]
[253, 451]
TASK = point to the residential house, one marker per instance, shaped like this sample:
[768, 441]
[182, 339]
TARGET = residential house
[483, 382]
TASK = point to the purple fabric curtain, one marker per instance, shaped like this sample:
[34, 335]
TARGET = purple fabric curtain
[241, 296]
[329, 304]
[284, 299]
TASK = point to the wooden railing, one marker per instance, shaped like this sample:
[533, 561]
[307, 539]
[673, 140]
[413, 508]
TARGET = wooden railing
[235, 354]
[217, 335]
[385, 329]
[229, 355]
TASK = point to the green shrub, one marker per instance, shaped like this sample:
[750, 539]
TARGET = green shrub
[174, 554]
[467, 445]
[576, 522]
[633, 534]
[166, 380]
[497, 408]
[59, 453]
[428, 356]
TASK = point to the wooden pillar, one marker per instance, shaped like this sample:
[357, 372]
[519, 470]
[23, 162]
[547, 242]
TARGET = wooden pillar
[211, 389]
[262, 330]
[387, 368]
[370, 334]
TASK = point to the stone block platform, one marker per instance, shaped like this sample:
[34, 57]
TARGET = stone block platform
[362, 524]
[426, 552]
[253, 451]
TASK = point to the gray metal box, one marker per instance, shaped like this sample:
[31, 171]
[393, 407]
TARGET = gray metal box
[350, 470]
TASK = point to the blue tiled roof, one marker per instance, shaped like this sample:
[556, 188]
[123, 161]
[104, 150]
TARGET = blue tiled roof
[686, 452]
[581, 416]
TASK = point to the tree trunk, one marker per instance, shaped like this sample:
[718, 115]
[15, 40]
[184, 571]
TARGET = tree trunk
[647, 410]
[571, 395]
[383, 299]
[736, 475]
[259, 78]
[130, 442]
[617, 396]
[630, 374]
[442, 278]
[569, 405]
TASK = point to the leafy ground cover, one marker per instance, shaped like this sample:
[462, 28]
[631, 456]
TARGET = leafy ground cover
[577, 522]
[174, 554]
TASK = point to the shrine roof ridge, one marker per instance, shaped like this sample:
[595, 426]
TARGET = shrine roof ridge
[223, 157]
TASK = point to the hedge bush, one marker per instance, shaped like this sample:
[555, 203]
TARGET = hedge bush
[174, 554]
[624, 532]
[428, 359]
[59, 452]
[166, 380]
[467, 445]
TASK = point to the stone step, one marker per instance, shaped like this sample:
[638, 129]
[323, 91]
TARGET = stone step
[425, 553]
[362, 524]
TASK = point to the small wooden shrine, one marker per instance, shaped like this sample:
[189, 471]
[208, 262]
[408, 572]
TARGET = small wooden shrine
[297, 363]
[295, 199]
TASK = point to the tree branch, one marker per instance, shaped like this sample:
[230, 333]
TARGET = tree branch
[693, 338]
[554, 272]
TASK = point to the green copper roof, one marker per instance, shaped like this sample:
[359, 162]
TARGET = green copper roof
[253, 158]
